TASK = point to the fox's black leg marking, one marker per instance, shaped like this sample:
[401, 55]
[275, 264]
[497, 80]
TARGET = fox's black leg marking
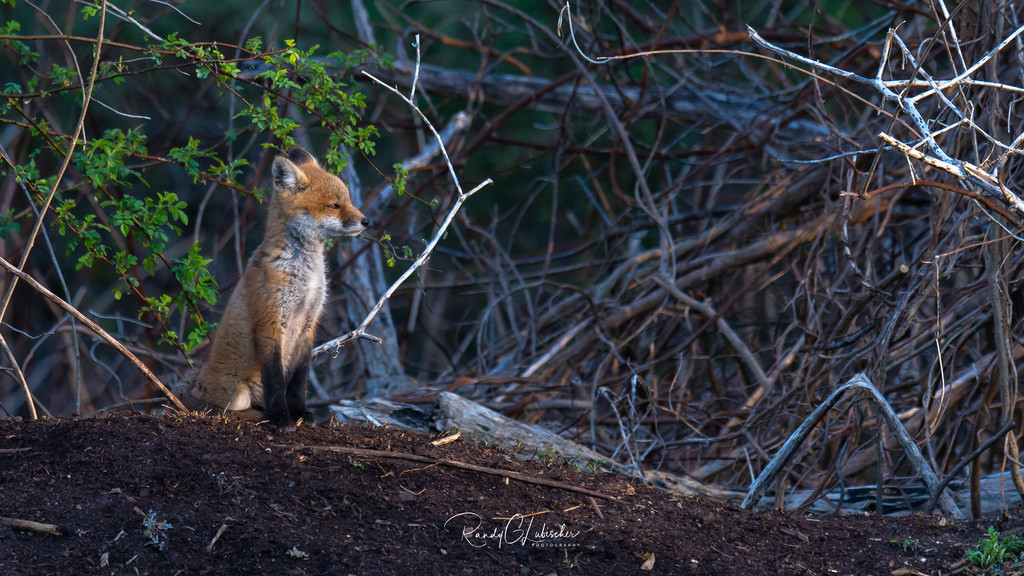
[296, 396]
[275, 393]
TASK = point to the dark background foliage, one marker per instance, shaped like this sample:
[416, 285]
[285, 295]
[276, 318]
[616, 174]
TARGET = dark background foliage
[682, 253]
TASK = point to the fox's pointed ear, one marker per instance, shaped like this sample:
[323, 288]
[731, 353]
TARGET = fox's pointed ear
[287, 176]
[299, 156]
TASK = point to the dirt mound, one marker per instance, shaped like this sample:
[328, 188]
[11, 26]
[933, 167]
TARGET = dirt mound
[136, 494]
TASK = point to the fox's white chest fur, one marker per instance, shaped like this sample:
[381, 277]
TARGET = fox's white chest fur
[303, 297]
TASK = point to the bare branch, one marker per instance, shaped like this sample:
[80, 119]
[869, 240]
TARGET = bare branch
[796, 440]
[360, 331]
[96, 330]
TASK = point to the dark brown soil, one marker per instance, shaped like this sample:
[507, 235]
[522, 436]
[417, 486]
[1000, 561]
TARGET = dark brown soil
[136, 494]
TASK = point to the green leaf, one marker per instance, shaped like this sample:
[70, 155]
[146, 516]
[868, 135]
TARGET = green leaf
[254, 44]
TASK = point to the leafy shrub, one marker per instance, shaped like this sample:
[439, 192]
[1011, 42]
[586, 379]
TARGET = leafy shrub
[993, 551]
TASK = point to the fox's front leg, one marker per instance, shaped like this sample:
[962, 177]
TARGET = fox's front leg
[267, 328]
[296, 395]
[275, 389]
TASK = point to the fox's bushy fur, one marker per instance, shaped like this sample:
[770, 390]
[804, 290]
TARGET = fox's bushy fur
[261, 348]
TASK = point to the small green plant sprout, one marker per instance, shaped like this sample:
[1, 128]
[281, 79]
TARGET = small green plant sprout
[154, 530]
[992, 551]
[595, 465]
[356, 463]
[906, 545]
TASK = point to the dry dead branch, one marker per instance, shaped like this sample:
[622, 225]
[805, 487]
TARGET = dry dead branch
[797, 440]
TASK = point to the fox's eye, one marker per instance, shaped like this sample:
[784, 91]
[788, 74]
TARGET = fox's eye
[335, 206]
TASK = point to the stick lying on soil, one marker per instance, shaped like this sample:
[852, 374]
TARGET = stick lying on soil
[31, 526]
[367, 453]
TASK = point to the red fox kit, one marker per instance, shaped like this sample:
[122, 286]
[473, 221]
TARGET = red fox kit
[261, 348]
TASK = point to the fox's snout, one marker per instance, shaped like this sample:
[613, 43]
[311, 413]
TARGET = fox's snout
[355, 227]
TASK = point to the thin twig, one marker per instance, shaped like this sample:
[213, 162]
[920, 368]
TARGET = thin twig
[360, 331]
[527, 478]
[96, 330]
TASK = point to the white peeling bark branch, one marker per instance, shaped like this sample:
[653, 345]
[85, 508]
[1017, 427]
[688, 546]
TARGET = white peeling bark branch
[360, 331]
